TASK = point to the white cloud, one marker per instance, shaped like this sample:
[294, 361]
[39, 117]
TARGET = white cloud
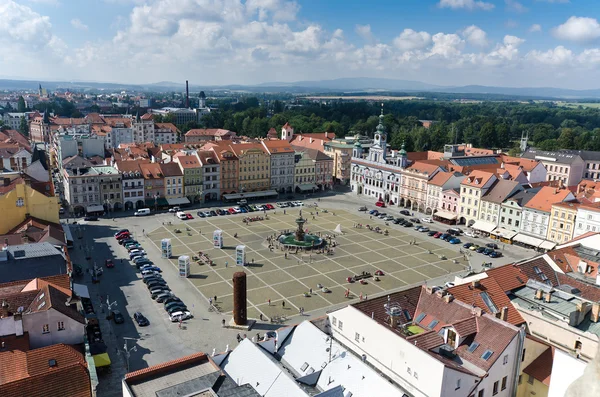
[45, 2]
[412, 40]
[77, 24]
[511, 24]
[515, 6]
[447, 45]
[578, 29]
[466, 4]
[364, 31]
[535, 28]
[554, 57]
[475, 36]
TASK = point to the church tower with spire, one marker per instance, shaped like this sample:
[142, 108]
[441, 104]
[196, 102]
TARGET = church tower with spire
[378, 151]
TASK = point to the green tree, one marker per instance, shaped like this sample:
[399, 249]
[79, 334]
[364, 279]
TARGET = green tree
[487, 135]
[24, 127]
[277, 107]
[566, 140]
[21, 107]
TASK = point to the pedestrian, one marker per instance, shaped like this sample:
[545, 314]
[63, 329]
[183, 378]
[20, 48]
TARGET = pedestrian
[253, 258]
[210, 301]
[257, 336]
[261, 317]
[283, 304]
[365, 296]
[180, 321]
[226, 263]
[223, 323]
[360, 297]
[245, 336]
[310, 290]
[286, 255]
[215, 299]
[239, 338]
[283, 212]
[144, 232]
[269, 301]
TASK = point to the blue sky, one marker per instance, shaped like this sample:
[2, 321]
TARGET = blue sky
[447, 42]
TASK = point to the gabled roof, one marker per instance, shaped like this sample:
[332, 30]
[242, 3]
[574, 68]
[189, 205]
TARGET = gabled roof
[214, 132]
[170, 169]
[423, 167]
[500, 191]
[541, 368]
[188, 161]
[151, 171]
[477, 179]
[278, 146]
[547, 196]
[208, 157]
[441, 178]
[165, 127]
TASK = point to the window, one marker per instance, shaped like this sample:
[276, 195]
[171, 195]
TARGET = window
[520, 379]
[45, 329]
[420, 317]
[487, 354]
[340, 325]
[503, 387]
[530, 380]
[357, 336]
[61, 326]
[505, 361]
[577, 345]
[333, 321]
[20, 202]
[473, 346]
[495, 388]
[480, 394]
[457, 384]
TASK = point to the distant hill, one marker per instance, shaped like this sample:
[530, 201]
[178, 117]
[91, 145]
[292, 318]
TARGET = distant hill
[342, 85]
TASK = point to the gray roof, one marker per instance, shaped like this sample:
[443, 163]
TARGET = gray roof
[465, 161]
[560, 157]
[28, 261]
[501, 191]
[523, 197]
[221, 384]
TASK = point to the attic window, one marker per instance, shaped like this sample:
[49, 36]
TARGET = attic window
[487, 354]
[303, 367]
[407, 315]
[537, 270]
[543, 277]
[488, 302]
[41, 305]
[420, 317]
[41, 296]
[433, 324]
[472, 347]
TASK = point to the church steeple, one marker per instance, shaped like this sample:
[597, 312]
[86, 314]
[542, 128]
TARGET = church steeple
[381, 136]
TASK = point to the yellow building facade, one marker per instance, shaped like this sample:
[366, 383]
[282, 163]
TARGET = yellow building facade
[254, 163]
[562, 222]
[18, 200]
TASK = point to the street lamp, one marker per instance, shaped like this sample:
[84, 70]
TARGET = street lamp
[127, 353]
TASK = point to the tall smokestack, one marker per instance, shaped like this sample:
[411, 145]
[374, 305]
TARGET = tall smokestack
[187, 95]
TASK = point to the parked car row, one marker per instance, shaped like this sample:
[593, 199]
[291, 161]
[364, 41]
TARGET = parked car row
[488, 250]
[246, 208]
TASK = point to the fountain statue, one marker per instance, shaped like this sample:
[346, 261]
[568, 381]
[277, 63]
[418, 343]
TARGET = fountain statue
[299, 238]
[300, 232]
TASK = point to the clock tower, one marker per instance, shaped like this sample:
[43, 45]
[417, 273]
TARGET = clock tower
[379, 150]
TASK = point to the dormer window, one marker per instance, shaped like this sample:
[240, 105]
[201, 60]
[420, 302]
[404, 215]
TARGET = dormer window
[451, 338]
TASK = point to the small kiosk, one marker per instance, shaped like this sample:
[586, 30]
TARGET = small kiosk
[240, 255]
[184, 266]
[166, 247]
[218, 238]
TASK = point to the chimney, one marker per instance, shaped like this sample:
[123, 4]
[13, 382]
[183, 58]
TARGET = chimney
[595, 312]
[393, 321]
[475, 284]
[548, 297]
[18, 320]
[477, 311]
[448, 298]
[429, 290]
[326, 134]
[311, 140]
[539, 294]
[504, 313]
[187, 95]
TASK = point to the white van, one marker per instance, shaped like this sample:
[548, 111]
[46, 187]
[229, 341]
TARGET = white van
[242, 202]
[181, 215]
[142, 212]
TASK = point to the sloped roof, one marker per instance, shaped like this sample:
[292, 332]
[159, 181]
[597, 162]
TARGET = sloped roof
[278, 146]
[208, 132]
[423, 167]
[541, 368]
[477, 179]
[508, 277]
[500, 191]
[165, 127]
[440, 178]
[547, 196]
[170, 169]
[188, 161]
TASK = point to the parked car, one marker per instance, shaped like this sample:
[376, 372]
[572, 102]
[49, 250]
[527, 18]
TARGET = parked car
[471, 234]
[140, 259]
[381, 215]
[118, 317]
[109, 263]
[117, 234]
[427, 220]
[124, 241]
[362, 208]
[136, 252]
[160, 293]
[454, 240]
[438, 235]
[487, 251]
[143, 262]
[189, 216]
[397, 221]
[179, 316]
[443, 236]
[474, 247]
[418, 228]
[424, 229]
[149, 273]
[405, 212]
[380, 204]
[152, 268]
[140, 319]
[212, 213]
[408, 224]
[174, 209]
[414, 220]
[480, 250]
[90, 218]
[162, 296]
[176, 307]
[156, 283]
[492, 245]
[270, 206]
[281, 205]
[388, 218]
[495, 254]
[200, 214]
[468, 245]
[373, 212]
[134, 246]
[207, 214]
[298, 204]
[453, 232]
[432, 233]
[448, 238]
[150, 277]
[172, 299]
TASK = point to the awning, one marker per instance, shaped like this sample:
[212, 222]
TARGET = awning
[529, 240]
[161, 202]
[504, 233]
[308, 186]
[101, 360]
[95, 208]
[81, 290]
[235, 196]
[178, 201]
[484, 226]
[547, 245]
[446, 215]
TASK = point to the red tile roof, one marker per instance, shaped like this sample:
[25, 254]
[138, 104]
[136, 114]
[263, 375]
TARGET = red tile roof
[440, 178]
[477, 179]
[188, 161]
[547, 196]
[541, 368]
[423, 168]
[208, 132]
[170, 170]
[508, 277]
[472, 295]
[166, 367]
[29, 373]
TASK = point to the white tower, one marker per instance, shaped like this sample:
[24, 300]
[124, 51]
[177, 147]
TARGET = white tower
[379, 150]
[287, 132]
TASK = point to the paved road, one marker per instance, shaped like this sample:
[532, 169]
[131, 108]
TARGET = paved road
[161, 340]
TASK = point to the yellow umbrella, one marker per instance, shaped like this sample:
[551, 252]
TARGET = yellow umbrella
[101, 360]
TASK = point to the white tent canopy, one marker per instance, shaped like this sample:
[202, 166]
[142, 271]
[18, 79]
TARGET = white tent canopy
[338, 229]
[484, 226]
